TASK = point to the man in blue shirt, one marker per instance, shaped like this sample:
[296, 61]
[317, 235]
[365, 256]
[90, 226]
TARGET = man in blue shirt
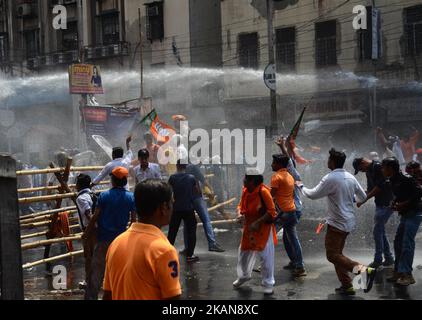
[115, 208]
[185, 190]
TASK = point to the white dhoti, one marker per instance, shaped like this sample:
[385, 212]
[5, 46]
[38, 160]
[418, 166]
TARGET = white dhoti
[247, 261]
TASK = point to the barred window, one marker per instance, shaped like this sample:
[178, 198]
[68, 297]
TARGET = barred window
[286, 49]
[413, 30]
[248, 50]
[326, 43]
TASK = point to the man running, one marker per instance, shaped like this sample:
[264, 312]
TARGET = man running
[340, 188]
[377, 187]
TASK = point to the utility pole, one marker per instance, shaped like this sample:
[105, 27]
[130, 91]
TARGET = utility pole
[82, 102]
[141, 56]
[271, 60]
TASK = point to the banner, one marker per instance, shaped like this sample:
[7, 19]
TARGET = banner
[161, 131]
[85, 79]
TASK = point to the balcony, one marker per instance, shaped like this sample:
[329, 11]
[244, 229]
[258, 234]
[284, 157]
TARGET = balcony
[68, 57]
[119, 49]
[52, 59]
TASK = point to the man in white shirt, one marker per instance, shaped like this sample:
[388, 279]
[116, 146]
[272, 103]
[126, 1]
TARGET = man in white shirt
[146, 170]
[85, 204]
[340, 187]
[119, 160]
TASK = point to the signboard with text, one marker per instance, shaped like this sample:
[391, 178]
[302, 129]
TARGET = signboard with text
[85, 79]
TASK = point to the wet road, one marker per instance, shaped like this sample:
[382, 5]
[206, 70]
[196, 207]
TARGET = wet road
[212, 276]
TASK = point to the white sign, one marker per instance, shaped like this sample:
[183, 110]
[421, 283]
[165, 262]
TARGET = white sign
[270, 77]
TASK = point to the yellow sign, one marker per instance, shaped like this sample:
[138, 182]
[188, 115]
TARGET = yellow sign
[85, 78]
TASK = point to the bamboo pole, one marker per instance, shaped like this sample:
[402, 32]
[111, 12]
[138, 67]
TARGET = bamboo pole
[209, 176]
[42, 213]
[33, 235]
[217, 222]
[52, 197]
[62, 256]
[57, 170]
[221, 204]
[42, 243]
[29, 219]
[52, 188]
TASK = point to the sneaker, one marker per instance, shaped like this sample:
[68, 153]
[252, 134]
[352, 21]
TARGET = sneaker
[350, 291]
[82, 285]
[375, 264]
[299, 272]
[370, 277]
[183, 252]
[192, 259]
[388, 263]
[268, 291]
[290, 266]
[406, 280]
[239, 282]
[394, 277]
[216, 248]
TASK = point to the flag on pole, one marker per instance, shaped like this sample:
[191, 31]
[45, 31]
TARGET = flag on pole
[291, 144]
[161, 131]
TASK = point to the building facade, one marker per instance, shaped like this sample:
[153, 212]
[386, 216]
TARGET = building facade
[343, 75]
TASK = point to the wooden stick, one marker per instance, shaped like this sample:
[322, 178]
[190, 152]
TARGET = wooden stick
[221, 205]
[209, 176]
[43, 213]
[56, 170]
[220, 222]
[33, 235]
[62, 256]
[42, 243]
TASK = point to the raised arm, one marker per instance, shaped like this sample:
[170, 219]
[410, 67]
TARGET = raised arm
[322, 190]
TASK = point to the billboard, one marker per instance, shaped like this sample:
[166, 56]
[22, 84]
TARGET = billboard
[85, 79]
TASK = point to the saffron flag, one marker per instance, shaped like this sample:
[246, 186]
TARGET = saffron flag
[291, 144]
[161, 131]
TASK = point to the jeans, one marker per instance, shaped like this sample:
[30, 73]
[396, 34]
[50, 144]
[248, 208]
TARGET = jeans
[201, 209]
[404, 243]
[189, 222]
[382, 245]
[98, 265]
[288, 222]
[335, 241]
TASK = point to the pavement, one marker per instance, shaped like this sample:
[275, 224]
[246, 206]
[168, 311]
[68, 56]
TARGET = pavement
[211, 278]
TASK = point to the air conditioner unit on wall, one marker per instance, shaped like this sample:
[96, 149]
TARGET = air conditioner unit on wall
[24, 10]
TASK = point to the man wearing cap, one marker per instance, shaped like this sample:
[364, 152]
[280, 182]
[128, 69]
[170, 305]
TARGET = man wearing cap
[146, 170]
[115, 208]
[377, 187]
[119, 160]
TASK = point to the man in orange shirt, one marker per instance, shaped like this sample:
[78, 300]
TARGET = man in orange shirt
[141, 262]
[257, 212]
[282, 189]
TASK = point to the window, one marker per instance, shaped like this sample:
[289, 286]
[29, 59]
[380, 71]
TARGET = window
[326, 43]
[32, 43]
[248, 50]
[413, 30]
[110, 28]
[70, 36]
[286, 49]
[155, 21]
[4, 47]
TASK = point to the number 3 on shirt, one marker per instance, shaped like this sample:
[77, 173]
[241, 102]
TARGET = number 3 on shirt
[175, 267]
